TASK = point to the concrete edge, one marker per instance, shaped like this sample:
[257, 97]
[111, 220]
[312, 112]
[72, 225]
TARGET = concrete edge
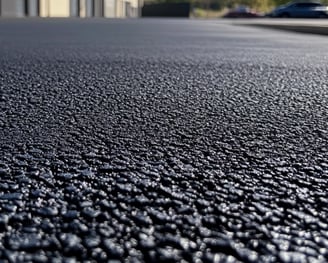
[308, 29]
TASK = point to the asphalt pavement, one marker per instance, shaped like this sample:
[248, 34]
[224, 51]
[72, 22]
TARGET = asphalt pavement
[308, 26]
[162, 141]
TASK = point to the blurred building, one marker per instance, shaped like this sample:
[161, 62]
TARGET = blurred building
[70, 8]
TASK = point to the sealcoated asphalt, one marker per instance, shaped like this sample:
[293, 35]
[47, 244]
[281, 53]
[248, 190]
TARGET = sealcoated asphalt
[162, 141]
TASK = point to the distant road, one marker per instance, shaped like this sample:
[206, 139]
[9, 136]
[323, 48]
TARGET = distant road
[162, 141]
[311, 26]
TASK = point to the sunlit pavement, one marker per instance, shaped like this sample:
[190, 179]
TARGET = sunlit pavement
[280, 21]
[162, 141]
[309, 26]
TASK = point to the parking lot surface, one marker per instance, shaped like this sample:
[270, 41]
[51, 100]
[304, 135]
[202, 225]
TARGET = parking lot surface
[162, 141]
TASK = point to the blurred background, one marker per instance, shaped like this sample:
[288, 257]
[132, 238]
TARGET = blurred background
[71, 8]
[139, 8]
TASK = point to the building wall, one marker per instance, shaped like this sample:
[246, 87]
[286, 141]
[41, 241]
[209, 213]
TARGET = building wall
[74, 8]
[118, 8]
[110, 8]
[89, 8]
[59, 8]
[86, 8]
[54, 8]
[70, 8]
[82, 8]
[98, 8]
[33, 7]
[132, 8]
[12, 8]
[135, 3]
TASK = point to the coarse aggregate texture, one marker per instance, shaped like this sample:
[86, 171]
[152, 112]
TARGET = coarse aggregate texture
[162, 141]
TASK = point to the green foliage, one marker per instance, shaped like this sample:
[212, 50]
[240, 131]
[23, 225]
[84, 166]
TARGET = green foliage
[260, 5]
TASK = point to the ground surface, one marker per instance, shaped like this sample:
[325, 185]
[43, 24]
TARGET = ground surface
[309, 26]
[162, 140]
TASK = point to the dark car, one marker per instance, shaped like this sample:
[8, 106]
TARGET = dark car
[301, 10]
[242, 12]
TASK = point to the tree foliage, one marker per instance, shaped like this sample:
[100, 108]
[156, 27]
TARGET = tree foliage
[263, 4]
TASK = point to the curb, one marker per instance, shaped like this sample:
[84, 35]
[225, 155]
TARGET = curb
[308, 29]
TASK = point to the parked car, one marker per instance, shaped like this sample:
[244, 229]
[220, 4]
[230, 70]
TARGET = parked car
[301, 10]
[242, 12]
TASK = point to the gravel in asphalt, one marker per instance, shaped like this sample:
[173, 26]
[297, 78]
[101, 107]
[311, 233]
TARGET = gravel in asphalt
[162, 141]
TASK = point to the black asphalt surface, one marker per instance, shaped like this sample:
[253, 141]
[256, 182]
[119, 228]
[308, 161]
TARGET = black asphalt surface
[162, 141]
